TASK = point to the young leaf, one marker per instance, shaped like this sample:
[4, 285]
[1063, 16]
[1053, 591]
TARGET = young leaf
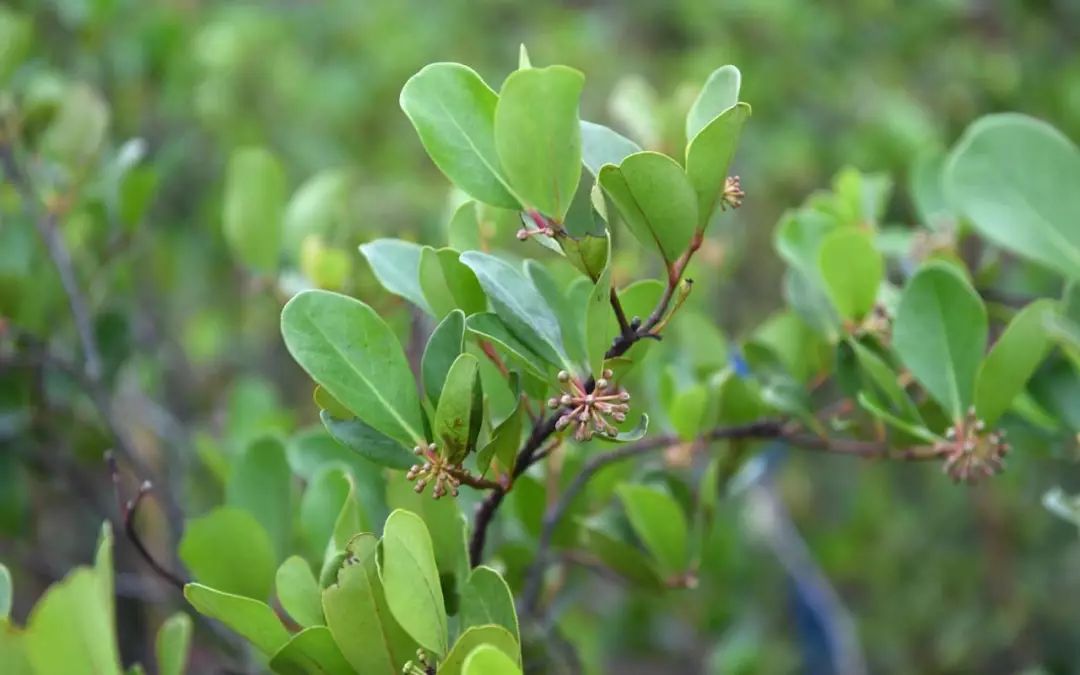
[370, 444]
[351, 352]
[229, 550]
[660, 523]
[253, 620]
[504, 443]
[520, 306]
[1012, 360]
[254, 204]
[396, 264]
[488, 660]
[312, 651]
[411, 580]
[486, 599]
[721, 92]
[172, 644]
[448, 284]
[852, 270]
[656, 201]
[453, 111]
[940, 335]
[457, 412]
[635, 434]
[599, 330]
[709, 156]
[601, 145]
[298, 591]
[537, 136]
[261, 484]
[1014, 177]
[355, 607]
[496, 637]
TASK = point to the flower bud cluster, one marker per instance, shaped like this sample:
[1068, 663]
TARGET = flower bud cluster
[971, 453]
[590, 413]
[435, 469]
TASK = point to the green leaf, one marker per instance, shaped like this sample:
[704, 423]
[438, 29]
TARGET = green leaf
[709, 156]
[252, 619]
[486, 599]
[686, 411]
[370, 444]
[627, 560]
[720, 93]
[635, 434]
[588, 253]
[504, 444]
[229, 550]
[883, 377]
[599, 329]
[396, 264]
[457, 415]
[660, 523]
[490, 327]
[448, 284]
[601, 145]
[538, 138]
[411, 580]
[351, 352]
[488, 660]
[5, 592]
[445, 523]
[320, 206]
[495, 637]
[446, 343]
[520, 306]
[254, 205]
[915, 429]
[1012, 360]
[1015, 177]
[79, 127]
[940, 335]
[359, 618]
[566, 310]
[172, 644]
[852, 270]
[324, 500]
[261, 484]
[656, 200]
[453, 111]
[312, 651]
[298, 591]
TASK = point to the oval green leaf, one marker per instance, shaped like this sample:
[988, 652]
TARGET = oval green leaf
[1013, 359]
[411, 580]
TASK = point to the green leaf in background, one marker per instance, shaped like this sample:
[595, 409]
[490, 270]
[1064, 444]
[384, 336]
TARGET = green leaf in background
[490, 327]
[72, 628]
[1012, 360]
[538, 138]
[686, 411]
[886, 381]
[721, 92]
[411, 580]
[660, 523]
[298, 591]
[504, 444]
[709, 156]
[599, 330]
[396, 264]
[350, 351]
[488, 660]
[448, 284]
[453, 111]
[810, 303]
[16, 35]
[252, 619]
[253, 207]
[852, 270]
[655, 199]
[1015, 178]
[312, 651]
[458, 412]
[446, 343]
[601, 145]
[927, 189]
[5, 592]
[520, 306]
[172, 644]
[940, 334]
[626, 559]
[261, 484]
[486, 599]
[320, 206]
[79, 127]
[229, 550]
[359, 619]
[495, 637]
[370, 444]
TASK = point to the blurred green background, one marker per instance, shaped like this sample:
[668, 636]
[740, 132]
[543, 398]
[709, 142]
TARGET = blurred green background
[936, 578]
